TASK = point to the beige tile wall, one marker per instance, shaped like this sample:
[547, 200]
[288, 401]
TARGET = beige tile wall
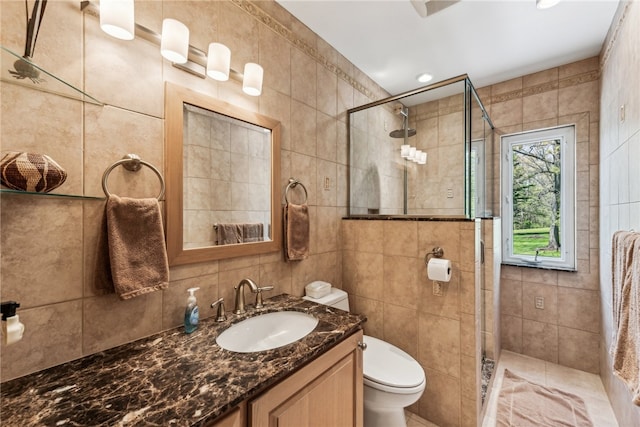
[440, 132]
[619, 183]
[567, 330]
[385, 276]
[49, 246]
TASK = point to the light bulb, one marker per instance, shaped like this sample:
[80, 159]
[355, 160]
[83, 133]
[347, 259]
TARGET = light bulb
[174, 45]
[218, 62]
[252, 81]
[117, 18]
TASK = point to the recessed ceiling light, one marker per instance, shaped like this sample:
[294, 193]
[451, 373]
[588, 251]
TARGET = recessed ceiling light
[424, 77]
[546, 4]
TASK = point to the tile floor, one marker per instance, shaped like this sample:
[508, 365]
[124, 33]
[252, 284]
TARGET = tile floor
[588, 386]
[414, 420]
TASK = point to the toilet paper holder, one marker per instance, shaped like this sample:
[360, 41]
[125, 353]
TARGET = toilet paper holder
[436, 252]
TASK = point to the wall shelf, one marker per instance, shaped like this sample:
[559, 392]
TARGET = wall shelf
[37, 78]
[7, 191]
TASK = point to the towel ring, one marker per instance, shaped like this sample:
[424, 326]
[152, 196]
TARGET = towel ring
[292, 184]
[133, 163]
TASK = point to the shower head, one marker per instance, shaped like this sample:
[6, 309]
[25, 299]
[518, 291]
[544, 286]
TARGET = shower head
[399, 133]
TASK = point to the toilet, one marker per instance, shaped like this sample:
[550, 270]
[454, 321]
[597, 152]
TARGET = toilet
[393, 379]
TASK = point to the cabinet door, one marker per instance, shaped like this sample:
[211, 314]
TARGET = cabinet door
[327, 392]
[236, 418]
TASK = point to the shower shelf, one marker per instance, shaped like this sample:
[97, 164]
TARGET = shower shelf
[44, 81]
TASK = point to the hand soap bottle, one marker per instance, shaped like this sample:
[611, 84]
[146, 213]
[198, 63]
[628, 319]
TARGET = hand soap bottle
[191, 314]
[12, 329]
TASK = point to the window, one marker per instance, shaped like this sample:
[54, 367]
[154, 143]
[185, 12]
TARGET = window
[538, 209]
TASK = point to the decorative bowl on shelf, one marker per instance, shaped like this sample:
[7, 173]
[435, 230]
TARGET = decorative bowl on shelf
[31, 172]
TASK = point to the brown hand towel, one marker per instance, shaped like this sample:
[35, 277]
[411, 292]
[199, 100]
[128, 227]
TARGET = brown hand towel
[252, 232]
[137, 249]
[228, 234]
[296, 232]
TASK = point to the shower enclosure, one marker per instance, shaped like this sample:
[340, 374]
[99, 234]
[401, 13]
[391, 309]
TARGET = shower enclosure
[431, 153]
[427, 152]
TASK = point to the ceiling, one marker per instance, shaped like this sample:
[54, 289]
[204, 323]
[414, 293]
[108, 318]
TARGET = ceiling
[491, 41]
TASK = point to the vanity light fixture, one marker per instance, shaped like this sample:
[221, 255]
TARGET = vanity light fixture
[252, 82]
[174, 45]
[117, 20]
[218, 62]
[546, 4]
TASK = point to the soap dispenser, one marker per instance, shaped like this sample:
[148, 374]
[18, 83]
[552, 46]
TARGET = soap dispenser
[12, 329]
[191, 313]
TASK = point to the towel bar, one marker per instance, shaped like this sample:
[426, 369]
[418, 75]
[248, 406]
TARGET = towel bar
[133, 163]
[292, 184]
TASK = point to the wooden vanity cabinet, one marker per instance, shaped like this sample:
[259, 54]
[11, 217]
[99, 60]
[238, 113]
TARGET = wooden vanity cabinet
[326, 392]
[236, 418]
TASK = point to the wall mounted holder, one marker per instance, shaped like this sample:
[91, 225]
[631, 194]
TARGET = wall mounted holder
[436, 252]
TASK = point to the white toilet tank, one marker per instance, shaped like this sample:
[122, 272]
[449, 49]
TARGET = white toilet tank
[337, 298]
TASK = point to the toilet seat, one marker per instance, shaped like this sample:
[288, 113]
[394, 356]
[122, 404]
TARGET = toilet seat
[390, 369]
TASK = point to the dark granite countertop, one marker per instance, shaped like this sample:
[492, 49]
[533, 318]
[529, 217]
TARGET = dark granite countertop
[168, 379]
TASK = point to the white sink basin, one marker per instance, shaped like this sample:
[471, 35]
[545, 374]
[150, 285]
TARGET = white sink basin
[267, 331]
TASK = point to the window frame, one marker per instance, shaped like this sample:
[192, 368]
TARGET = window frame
[568, 259]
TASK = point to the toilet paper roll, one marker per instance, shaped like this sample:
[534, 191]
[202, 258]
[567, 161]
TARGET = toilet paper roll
[439, 269]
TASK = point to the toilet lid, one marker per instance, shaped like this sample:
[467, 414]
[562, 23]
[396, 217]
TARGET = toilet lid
[387, 364]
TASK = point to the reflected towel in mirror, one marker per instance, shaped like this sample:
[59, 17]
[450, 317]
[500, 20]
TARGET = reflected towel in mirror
[234, 233]
[252, 232]
[228, 234]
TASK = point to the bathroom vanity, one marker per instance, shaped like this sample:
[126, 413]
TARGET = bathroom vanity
[179, 379]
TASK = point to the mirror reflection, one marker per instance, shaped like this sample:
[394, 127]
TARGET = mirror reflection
[227, 164]
[222, 175]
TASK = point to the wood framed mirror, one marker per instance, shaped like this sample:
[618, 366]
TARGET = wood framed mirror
[222, 178]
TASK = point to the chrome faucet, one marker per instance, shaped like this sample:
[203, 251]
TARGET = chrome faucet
[239, 288]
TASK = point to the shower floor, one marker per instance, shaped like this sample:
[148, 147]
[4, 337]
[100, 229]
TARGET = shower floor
[487, 370]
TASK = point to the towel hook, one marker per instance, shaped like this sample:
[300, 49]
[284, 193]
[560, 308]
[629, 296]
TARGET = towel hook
[292, 184]
[133, 163]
